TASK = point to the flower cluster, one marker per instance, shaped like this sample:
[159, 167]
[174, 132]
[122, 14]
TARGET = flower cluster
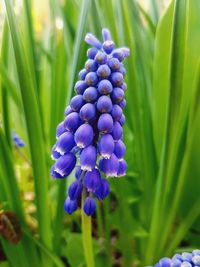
[92, 128]
[181, 260]
[17, 140]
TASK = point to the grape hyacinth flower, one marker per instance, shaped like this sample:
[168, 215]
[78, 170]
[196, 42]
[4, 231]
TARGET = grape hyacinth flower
[91, 135]
[184, 259]
[18, 142]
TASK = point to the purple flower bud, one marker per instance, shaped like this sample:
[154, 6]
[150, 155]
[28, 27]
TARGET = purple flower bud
[124, 86]
[105, 123]
[103, 71]
[80, 87]
[104, 104]
[116, 112]
[117, 78]
[117, 95]
[68, 110]
[65, 164]
[75, 190]
[90, 94]
[89, 206]
[91, 52]
[117, 53]
[176, 263]
[72, 122]
[54, 154]
[17, 140]
[108, 46]
[60, 129]
[54, 174]
[120, 149]
[196, 252]
[92, 180]
[84, 135]
[91, 65]
[109, 166]
[165, 262]
[91, 79]
[117, 131]
[114, 64]
[92, 40]
[101, 58]
[88, 112]
[88, 158]
[122, 104]
[106, 146]
[105, 87]
[122, 120]
[82, 74]
[126, 51]
[122, 70]
[78, 172]
[70, 205]
[76, 102]
[65, 143]
[106, 34]
[178, 256]
[196, 260]
[122, 168]
[102, 190]
[187, 256]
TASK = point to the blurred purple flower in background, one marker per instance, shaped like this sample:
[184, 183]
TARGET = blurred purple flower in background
[18, 142]
[91, 135]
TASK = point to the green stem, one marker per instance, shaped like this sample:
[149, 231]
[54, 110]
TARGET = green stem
[87, 235]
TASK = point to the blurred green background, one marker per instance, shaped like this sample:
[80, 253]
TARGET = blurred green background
[154, 210]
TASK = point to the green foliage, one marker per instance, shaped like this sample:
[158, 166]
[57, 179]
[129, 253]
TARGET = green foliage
[154, 210]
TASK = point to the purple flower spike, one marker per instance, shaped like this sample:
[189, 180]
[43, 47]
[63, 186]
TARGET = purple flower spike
[65, 143]
[109, 166]
[102, 190]
[60, 129]
[104, 104]
[84, 135]
[72, 122]
[106, 146]
[106, 34]
[88, 158]
[65, 164]
[105, 123]
[92, 128]
[92, 179]
[122, 168]
[105, 87]
[92, 40]
[89, 206]
[75, 190]
[88, 112]
[120, 149]
[91, 79]
[90, 94]
[70, 205]
[17, 140]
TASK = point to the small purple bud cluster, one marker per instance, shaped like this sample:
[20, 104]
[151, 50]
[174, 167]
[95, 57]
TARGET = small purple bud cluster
[17, 140]
[181, 260]
[92, 128]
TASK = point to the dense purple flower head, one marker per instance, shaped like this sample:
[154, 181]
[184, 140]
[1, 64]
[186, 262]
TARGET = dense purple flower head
[17, 140]
[184, 259]
[91, 134]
